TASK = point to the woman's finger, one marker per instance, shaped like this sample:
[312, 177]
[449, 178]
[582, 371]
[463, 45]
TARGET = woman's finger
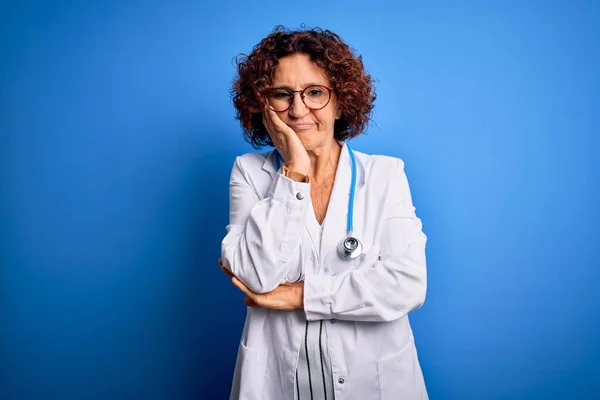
[268, 123]
[267, 119]
[227, 272]
[249, 299]
[277, 129]
[243, 287]
[249, 302]
[277, 123]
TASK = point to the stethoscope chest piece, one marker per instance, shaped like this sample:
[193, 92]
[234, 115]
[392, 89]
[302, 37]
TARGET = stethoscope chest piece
[350, 248]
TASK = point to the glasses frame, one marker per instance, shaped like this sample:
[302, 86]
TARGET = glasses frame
[330, 90]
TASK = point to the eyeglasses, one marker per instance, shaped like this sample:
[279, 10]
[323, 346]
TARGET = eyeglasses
[314, 97]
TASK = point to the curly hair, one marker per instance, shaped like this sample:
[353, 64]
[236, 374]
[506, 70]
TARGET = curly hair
[352, 84]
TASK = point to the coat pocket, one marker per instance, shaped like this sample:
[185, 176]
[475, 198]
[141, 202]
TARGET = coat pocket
[400, 376]
[251, 368]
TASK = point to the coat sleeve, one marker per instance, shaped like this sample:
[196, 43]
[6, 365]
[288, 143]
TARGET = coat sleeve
[263, 237]
[381, 288]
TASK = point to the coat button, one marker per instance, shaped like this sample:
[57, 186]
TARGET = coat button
[299, 196]
[341, 381]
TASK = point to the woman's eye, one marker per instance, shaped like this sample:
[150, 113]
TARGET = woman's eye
[281, 95]
[315, 93]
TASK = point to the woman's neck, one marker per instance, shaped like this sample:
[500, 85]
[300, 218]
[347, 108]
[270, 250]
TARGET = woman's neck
[324, 161]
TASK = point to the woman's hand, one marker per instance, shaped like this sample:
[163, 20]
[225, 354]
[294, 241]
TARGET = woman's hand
[287, 296]
[286, 142]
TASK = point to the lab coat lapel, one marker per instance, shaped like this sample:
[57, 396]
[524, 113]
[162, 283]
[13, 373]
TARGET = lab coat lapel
[269, 164]
[312, 227]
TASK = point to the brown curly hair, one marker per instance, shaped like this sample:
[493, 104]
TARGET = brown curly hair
[352, 84]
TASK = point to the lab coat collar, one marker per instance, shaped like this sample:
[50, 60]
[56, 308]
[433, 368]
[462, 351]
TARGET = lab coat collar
[269, 164]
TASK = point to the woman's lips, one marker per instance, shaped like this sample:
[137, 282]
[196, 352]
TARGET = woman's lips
[301, 127]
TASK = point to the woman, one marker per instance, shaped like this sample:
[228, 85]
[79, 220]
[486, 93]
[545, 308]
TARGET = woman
[324, 321]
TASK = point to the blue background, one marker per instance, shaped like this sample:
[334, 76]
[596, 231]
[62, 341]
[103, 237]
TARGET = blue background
[117, 136]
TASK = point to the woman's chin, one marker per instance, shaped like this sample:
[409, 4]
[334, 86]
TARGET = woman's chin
[312, 145]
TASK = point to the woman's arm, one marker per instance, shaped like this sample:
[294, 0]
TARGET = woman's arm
[263, 237]
[378, 290]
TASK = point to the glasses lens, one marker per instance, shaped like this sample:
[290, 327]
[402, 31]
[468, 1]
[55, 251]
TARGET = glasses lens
[316, 97]
[280, 99]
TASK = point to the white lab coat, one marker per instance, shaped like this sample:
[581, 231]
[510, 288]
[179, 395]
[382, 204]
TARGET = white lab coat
[273, 237]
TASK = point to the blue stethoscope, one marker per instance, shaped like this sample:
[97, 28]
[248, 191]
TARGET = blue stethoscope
[350, 247]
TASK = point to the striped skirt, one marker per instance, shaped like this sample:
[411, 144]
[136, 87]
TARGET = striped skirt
[314, 379]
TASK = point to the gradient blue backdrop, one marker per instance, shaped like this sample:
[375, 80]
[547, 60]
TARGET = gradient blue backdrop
[117, 136]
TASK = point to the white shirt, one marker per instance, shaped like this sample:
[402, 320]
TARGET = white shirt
[273, 236]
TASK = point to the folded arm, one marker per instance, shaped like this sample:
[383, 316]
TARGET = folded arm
[263, 238]
[384, 287]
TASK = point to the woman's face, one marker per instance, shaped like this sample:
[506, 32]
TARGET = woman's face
[313, 127]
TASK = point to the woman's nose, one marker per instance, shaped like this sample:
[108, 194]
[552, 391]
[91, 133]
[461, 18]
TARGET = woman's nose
[298, 108]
